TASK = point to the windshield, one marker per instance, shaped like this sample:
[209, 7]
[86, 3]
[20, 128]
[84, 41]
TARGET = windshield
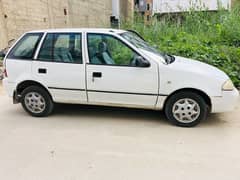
[138, 41]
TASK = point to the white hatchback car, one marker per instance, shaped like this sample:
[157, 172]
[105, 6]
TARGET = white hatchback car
[114, 68]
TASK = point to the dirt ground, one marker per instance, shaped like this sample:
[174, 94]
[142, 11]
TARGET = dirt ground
[99, 143]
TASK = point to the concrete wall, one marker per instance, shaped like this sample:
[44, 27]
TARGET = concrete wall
[171, 6]
[126, 9]
[18, 16]
[235, 3]
[3, 30]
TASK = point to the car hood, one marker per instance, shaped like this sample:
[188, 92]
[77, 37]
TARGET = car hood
[198, 67]
[187, 67]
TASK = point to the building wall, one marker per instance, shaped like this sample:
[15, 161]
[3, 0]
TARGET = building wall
[126, 9]
[235, 3]
[148, 12]
[3, 30]
[171, 6]
[18, 16]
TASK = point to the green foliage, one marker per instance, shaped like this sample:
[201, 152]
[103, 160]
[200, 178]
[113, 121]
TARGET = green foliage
[211, 37]
[121, 54]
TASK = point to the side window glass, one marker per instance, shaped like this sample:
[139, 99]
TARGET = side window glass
[62, 47]
[106, 49]
[26, 47]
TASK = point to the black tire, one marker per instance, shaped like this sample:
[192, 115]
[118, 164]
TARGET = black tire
[186, 95]
[48, 107]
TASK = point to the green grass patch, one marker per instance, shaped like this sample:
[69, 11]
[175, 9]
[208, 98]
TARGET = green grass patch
[211, 37]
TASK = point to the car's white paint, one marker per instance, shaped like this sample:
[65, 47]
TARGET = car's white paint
[154, 83]
[185, 73]
[69, 76]
[129, 80]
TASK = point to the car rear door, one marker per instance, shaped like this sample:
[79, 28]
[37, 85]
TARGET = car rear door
[59, 66]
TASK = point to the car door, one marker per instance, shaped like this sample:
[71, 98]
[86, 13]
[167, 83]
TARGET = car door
[114, 79]
[59, 66]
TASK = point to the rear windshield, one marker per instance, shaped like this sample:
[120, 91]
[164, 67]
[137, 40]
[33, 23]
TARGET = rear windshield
[26, 47]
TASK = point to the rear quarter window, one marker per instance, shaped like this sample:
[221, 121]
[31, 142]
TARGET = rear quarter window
[25, 48]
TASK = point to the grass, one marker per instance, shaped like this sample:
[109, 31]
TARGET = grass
[211, 37]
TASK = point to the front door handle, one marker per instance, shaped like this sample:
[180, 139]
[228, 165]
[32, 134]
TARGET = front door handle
[42, 71]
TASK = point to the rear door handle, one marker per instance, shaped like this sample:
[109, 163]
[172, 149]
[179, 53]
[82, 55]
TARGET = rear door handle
[97, 74]
[42, 71]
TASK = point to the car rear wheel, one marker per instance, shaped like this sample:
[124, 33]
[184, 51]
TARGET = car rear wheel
[36, 101]
[186, 109]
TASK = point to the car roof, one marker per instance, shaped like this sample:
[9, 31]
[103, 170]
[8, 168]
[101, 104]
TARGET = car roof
[94, 30]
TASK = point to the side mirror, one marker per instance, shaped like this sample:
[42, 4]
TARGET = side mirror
[141, 62]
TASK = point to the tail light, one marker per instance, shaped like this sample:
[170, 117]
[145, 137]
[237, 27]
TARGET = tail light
[5, 72]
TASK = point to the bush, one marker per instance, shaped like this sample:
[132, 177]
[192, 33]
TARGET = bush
[211, 37]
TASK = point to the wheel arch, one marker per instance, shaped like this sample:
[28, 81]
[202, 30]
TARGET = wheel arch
[27, 83]
[204, 95]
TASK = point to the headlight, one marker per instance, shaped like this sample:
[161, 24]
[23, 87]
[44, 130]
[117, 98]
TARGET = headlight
[228, 86]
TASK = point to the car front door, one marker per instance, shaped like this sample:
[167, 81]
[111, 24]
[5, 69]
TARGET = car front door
[113, 77]
[59, 66]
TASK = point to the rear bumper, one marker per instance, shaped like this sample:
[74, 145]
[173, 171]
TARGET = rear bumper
[9, 87]
[227, 102]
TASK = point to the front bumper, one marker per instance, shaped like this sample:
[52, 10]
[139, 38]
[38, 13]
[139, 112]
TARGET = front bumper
[227, 102]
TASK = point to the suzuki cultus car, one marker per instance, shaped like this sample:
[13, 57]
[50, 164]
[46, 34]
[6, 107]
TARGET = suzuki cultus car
[112, 68]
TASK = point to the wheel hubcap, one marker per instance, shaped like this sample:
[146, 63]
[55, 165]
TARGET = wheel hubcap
[35, 102]
[186, 110]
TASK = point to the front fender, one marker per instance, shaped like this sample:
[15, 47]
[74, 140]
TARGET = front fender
[172, 80]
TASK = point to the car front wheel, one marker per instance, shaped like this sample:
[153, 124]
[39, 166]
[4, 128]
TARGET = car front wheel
[36, 101]
[186, 109]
